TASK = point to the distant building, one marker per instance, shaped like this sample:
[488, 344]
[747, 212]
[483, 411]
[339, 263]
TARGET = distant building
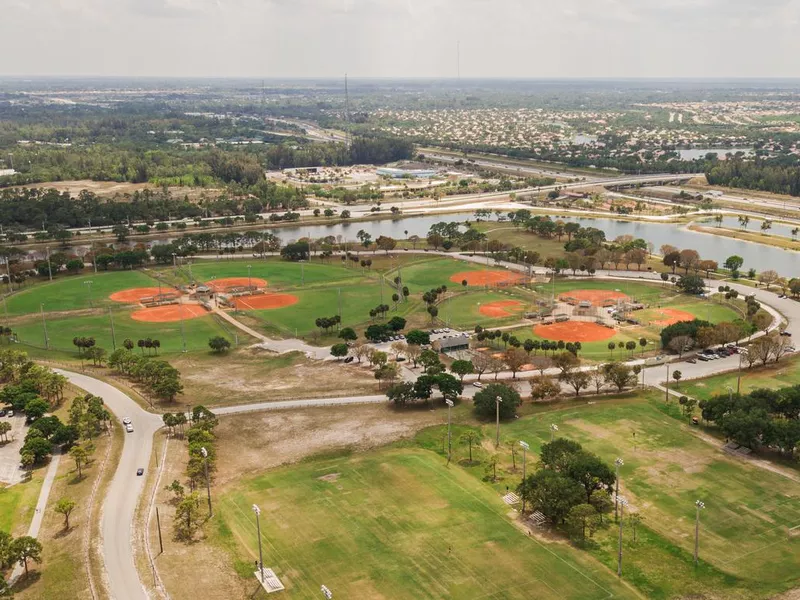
[401, 173]
[7, 172]
[451, 344]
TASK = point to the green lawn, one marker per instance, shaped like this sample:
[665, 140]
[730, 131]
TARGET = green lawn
[18, 502]
[62, 330]
[398, 523]
[427, 274]
[784, 373]
[71, 293]
[745, 547]
[463, 310]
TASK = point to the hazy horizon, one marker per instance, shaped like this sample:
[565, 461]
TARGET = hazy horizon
[320, 39]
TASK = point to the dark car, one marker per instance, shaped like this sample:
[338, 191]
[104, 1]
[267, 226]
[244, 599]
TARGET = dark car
[692, 361]
[2, 412]
[349, 359]
[140, 471]
[786, 334]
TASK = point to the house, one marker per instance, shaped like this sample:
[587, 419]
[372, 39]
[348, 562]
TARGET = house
[451, 344]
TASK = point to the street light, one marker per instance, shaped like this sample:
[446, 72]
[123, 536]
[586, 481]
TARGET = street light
[553, 429]
[525, 447]
[450, 405]
[249, 281]
[698, 506]
[326, 592]
[622, 503]
[730, 392]
[742, 352]
[204, 452]
[88, 284]
[619, 462]
[497, 402]
[258, 528]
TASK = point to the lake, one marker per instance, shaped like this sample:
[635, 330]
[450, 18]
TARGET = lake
[695, 153]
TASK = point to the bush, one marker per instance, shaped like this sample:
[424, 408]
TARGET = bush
[485, 405]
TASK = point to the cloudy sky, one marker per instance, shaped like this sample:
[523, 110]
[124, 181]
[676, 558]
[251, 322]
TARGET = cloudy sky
[401, 38]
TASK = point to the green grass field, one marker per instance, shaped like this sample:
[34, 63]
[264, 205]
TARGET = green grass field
[432, 273]
[398, 524]
[785, 373]
[18, 502]
[71, 293]
[746, 549]
[62, 330]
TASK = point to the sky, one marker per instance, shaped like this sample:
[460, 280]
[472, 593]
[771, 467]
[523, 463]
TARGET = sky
[401, 38]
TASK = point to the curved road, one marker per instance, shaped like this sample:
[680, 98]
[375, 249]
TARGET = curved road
[120, 503]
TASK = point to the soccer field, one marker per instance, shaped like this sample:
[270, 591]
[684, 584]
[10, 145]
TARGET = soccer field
[399, 524]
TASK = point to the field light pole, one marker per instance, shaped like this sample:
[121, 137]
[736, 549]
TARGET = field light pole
[450, 405]
[44, 326]
[113, 337]
[553, 429]
[49, 267]
[326, 592]
[742, 351]
[618, 463]
[204, 452]
[622, 503]
[88, 285]
[249, 280]
[666, 386]
[698, 506]
[497, 402]
[525, 447]
[258, 529]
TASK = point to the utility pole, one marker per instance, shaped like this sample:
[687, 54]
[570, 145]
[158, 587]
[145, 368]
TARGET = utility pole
[619, 462]
[497, 402]
[160, 541]
[666, 386]
[260, 554]
[450, 405]
[204, 452]
[49, 266]
[699, 505]
[88, 285]
[8, 274]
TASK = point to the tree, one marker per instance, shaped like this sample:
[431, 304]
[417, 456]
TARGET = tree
[80, 455]
[418, 338]
[36, 408]
[733, 263]
[348, 334]
[676, 375]
[397, 323]
[187, 517]
[689, 258]
[515, 358]
[543, 387]
[551, 493]
[5, 427]
[469, 437]
[672, 259]
[680, 343]
[619, 375]
[582, 517]
[462, 367]
[634, 520]
[691, 284]
[26, 548]
[218, 344]
[485, 401]
[339, 350]
[566, 361]
[386, 372]
[578, 380]
[65, 506]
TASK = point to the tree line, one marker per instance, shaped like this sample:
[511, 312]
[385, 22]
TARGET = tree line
[779, 176]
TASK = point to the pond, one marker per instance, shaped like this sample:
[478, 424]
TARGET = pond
[695, 153]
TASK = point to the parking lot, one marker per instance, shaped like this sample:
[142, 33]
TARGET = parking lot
[10, 470]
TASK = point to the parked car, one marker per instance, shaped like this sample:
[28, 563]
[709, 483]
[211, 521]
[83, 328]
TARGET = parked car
[786, 334]
[349, 359]
[10, 414]
[129, 428]
[126, 420]
[2, 412]
[692, 361]
[477, 384]
[139, 472]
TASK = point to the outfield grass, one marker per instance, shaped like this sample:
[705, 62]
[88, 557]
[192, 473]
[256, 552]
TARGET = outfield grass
[428, 274]
[71, 293]
[398, 523]
[62, 330]
[277, 273]
[745, 548]
[463, 310]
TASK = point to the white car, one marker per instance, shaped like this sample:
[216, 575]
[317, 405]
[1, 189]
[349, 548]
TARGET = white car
[129, 428]
[477, 384]
[126, 420]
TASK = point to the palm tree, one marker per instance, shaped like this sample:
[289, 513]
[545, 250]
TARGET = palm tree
[718, 219]
[766, 224]
[744, 220]
[795, 231]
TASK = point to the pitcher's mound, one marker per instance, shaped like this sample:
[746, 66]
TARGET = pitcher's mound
[574, 331]
[487, 277]
[226, 283]
[266, 301]
[669, 316]
[502, 308]
[169, 314]
[596, 297]
[134, 295]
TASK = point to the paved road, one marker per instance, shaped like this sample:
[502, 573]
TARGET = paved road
[119, 506]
